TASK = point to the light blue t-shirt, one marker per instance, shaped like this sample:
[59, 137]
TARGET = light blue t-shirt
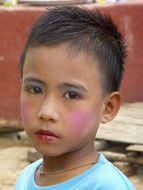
[102, 176]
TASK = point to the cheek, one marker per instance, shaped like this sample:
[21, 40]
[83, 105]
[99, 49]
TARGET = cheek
[81, 120]
[25, 110]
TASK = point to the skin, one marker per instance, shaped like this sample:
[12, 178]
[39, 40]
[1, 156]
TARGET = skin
[62, 92]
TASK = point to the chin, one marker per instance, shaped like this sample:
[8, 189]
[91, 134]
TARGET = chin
[49, 152]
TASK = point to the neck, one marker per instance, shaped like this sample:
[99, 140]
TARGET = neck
[76, 158]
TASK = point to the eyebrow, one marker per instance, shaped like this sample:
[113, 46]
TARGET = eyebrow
[73, 85]
[32, 79]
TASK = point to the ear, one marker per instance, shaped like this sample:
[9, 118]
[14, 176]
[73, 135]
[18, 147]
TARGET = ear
[111, 107]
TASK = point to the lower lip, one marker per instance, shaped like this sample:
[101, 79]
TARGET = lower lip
[47, 138]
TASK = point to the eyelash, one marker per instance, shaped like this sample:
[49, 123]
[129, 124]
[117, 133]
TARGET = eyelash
[32, 89]
[75, 95]
[68, 95]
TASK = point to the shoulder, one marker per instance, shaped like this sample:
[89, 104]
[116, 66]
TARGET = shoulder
[109, 177]
[27, 174]
[31, 168]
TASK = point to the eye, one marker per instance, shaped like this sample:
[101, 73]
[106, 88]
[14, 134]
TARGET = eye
[33, 89]
[72, 95]
[36, 90]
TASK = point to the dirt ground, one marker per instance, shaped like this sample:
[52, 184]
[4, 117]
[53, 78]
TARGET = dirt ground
[14, 158]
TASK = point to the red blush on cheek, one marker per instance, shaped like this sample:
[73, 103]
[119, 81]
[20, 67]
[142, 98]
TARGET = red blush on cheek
[80, 120]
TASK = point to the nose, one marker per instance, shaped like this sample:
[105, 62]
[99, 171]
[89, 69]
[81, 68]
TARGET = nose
[48, 111]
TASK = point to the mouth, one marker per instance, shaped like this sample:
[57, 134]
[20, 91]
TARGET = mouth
[46, 135]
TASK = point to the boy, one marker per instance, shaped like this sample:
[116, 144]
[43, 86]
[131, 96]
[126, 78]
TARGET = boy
[71, 69]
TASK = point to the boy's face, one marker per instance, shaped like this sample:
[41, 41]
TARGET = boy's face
[61, 99]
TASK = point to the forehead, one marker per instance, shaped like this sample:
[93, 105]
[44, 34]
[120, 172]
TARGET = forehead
[50, 61]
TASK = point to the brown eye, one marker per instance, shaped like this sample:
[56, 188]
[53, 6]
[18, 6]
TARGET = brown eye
[33, 89]
[72, 95]
[36, 90]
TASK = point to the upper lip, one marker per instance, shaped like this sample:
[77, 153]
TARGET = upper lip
[46, 132]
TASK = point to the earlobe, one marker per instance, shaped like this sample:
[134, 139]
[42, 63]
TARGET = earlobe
[111, 107]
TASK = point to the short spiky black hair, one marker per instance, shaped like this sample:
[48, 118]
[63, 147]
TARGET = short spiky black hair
[86, 30]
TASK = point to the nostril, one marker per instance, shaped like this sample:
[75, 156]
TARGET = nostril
[40, 116]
